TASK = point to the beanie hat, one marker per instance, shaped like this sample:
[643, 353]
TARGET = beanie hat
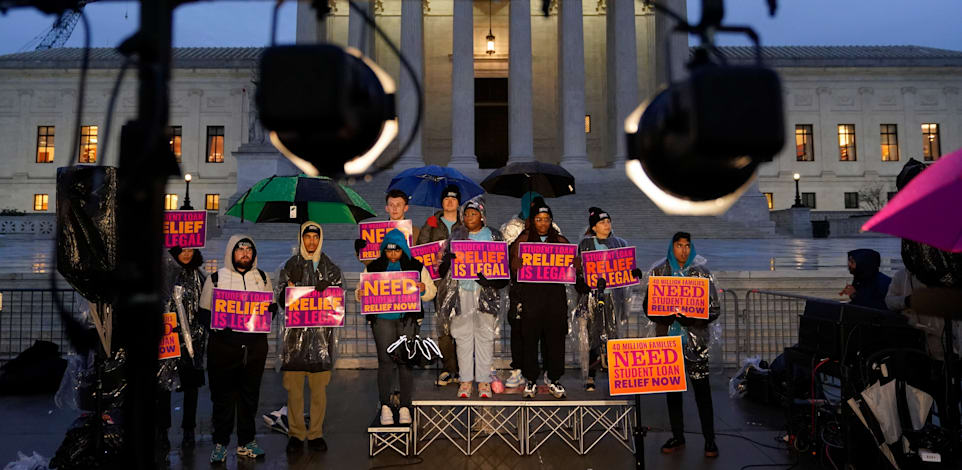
[451, 190]
[538, 206]
[311, 229]
[595, 215]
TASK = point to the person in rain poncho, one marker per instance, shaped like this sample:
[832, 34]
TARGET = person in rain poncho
[439, 227]
[682, 260]
[235, 360]
[510, 230]
[603, 312]
[307, 353]
[471, 306]
[869, 286]
[183, 269]
[387, 327]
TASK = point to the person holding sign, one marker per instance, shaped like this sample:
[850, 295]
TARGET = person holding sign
[471, 306]
[543, 309]
[682, 261]
[387, 327]
[396, 206]
[603, 311]
[439, 227]
[235, 359]
[307, 353]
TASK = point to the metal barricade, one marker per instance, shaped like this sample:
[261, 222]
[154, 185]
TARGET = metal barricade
[733, 339]
[28, 315]
[771, 322]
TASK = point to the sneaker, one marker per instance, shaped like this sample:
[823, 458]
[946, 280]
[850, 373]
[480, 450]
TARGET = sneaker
[530, 390]
[250, 450]
[672, 445]
[294, 445]
[446, 378]
[404, 415]
[189, 441]
[319, 444]
[544, 378]
[590, 384]
[464, 390]
[711, 450]
[557, 390]
[387, 416]
[218, 454]
[484, 390]
[515, 380]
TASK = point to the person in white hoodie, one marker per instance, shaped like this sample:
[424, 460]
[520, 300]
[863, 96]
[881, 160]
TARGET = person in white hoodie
[235, 360]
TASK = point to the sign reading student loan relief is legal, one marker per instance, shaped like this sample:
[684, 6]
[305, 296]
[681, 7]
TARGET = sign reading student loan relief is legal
[547, 262]
[472, 257]
[307, 308]
[646, 365]
[170, 342]
[241, 311]
[669, 295]
[429, 254]
[373, 233]
[613, 265]
[186, 229]
[390, 292]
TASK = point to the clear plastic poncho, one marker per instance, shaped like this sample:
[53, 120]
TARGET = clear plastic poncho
[183, 284]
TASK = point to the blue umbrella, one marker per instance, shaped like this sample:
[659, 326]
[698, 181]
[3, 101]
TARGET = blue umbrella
[424, 185]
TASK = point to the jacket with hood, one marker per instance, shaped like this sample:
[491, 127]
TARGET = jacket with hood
[408, 263]
[307, 349]
[696, 334]
[603, 318]
[228, 277]
[492, 300]
[870, 285]
[512, 228]
[435, 230]
[190, 277]
[524, 291]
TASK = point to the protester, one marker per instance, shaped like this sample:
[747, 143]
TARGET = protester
[543, 309]
[307, 353]
[438, 227]
[510, 230]
[471, 306]
[396, 207]
[604, 311]
[869, 286]
[184, 269]
[387, 327]
[682, 260]
[235, 360]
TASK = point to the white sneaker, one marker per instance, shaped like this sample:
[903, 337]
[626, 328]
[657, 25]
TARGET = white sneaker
[387, 416]
[530, 390]
[515, 380]
[557, 390]
[404, 415]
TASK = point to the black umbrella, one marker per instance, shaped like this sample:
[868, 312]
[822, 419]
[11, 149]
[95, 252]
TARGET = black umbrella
[516, 179]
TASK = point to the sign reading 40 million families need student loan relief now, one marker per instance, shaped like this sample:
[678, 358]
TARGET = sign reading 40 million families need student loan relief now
[646, 365]
[671, 295]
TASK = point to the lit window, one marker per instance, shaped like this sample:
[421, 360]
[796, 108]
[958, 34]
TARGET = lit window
[170, 202]
[804, 143]
[45, 138]
[851, 200]
[88, 144]
[40, 202]
[931, 148]
[808, 200]
[215, 144]
[890, 142]
[770, 197]
[174, 140]
[212, 202]
[846, 142]
[587, 123]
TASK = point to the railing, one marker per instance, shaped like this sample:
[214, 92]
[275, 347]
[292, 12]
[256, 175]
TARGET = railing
[28, 315]
[772, 322]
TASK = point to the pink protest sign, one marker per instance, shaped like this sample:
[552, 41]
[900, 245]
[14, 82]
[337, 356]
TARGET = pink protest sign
[613, 265]
[430, 255]
[241, 311]
[390, 292]
[547, 262]
[186, 229]
[307, 308]
[472, 257]
[373, 233]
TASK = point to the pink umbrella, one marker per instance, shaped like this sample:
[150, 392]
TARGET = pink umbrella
[928, 209]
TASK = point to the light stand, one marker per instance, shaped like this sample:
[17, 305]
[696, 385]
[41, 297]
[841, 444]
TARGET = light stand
[187, 206]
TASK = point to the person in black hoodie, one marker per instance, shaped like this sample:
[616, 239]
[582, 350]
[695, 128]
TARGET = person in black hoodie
[869, 286]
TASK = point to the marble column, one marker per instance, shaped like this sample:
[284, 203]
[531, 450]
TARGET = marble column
[520, 125]
[622, 73]
[669, 42]
[308, 30]
[360, 35]
[412, 44]
[571, 85]
[462, 87]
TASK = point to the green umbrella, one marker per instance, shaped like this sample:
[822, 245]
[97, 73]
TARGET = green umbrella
[314, 198]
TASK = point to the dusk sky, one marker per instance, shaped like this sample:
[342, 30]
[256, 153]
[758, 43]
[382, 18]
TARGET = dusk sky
[933, 23]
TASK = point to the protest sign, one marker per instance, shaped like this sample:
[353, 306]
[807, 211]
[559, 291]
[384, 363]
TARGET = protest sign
[430, 254]
[613, 265]
[241, 311]
[186, 229]
[547, 262]
[646, 365]
[686, 296]
[390, 292]
[170, 342]
[307, 308]
[373, 233]
[472, 257]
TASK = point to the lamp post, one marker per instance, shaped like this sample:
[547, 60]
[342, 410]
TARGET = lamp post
[798, 197]
[187, 206]
[490, 38]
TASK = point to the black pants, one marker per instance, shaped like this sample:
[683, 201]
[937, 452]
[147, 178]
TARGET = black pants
[517, 348]
[235, 368]
[386, 332]
[593, 363]
[190, 409]
[544, 324]
[676, 411]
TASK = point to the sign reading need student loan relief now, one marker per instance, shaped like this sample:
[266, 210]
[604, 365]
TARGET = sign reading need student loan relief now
[646, 365]
[241, 311]
[686, 296]
[390, 292]
[186, 229]
[373, 233]
[170, 342]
